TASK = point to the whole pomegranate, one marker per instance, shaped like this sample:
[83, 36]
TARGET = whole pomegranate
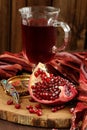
[49, 89]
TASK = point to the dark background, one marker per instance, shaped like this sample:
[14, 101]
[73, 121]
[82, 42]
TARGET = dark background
[74, 12]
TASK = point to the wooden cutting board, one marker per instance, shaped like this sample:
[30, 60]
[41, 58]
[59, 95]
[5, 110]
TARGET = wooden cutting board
[59, 119]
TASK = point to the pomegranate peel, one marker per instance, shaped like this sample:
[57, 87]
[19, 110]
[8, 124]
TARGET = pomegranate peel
[49, 89]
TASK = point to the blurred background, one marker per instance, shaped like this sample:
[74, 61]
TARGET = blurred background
[74, 12]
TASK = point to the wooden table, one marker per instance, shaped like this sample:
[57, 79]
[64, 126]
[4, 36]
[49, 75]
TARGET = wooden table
[6, 125]
[19, 119]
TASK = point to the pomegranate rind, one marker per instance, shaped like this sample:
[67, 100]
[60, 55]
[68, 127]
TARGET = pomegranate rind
[62, 97]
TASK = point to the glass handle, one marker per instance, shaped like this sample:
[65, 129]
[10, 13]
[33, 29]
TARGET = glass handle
[66, 30]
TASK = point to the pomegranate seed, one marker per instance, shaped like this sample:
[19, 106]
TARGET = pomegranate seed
[38, 72]
[35, 110]
[54, 109]
[29, 106]
[17, 106]
[32, 110]
[10, 102]
[48, 87]
[60, 107]
[38, 106]
[43, 76]
[39, 112]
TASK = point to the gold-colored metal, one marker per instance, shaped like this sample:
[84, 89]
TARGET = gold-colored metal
[16, 86]
[20, 83]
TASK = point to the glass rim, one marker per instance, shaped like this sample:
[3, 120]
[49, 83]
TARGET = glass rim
[48, 9]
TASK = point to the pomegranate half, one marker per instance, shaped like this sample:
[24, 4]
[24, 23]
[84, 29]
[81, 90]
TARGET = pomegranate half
[49, 89]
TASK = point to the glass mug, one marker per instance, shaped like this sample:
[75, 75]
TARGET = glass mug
[39, 32]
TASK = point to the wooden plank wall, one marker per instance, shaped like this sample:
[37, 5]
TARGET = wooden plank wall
[74, 12]
[4, 25]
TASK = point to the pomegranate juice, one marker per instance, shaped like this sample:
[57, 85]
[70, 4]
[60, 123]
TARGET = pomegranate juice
[38, 42]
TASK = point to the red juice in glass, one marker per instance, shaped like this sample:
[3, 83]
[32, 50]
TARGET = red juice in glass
[38, 42]
[39, 32]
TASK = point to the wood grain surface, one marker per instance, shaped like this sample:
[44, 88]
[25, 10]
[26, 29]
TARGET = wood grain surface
[6, 125]
[59, 119]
